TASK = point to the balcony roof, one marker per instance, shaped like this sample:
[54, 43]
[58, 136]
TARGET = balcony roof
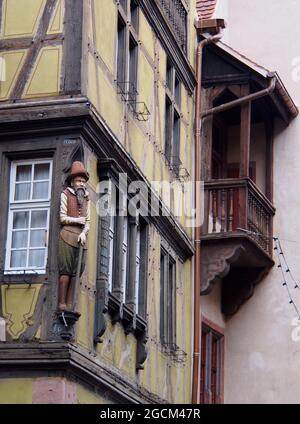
[223, 64]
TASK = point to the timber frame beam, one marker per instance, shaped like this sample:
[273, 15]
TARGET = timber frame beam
[72, 362]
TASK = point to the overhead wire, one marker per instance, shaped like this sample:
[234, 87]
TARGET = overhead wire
[282, 265]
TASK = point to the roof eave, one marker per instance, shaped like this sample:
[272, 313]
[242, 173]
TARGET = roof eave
[280, 90]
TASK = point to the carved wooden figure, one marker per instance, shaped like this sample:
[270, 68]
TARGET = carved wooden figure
[75, 221]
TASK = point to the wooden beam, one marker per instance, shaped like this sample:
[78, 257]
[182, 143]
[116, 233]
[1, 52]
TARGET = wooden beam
[34, 50]
[26, 42]
[73, 46]
[269, 159]
[245, 135]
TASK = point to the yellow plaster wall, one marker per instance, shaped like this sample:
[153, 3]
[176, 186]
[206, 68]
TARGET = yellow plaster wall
[56, 24]
[117, 349]
[103, 21]
[20, 17]
[145, 88]
[103, 95]
[11, 63]
[45, 77]
[18, 305]
[86, 396]
[146, 35]
[15, 391]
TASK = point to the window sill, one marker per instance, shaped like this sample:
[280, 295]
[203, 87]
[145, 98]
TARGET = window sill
[120, 312]
[15, 277]
[26, 272]
[132, 323]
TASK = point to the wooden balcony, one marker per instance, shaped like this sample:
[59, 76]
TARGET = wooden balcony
[236, 239]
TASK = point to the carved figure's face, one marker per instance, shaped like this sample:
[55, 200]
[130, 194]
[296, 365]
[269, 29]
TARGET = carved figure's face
[78, 182]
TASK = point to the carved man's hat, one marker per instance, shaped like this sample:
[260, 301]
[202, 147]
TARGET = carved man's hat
[78, 170]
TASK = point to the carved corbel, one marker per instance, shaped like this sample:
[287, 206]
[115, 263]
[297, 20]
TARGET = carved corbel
[215, 264]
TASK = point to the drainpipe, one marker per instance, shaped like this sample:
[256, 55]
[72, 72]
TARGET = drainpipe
[197, 130]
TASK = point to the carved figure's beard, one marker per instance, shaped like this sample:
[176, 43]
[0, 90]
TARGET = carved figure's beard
[80, 193]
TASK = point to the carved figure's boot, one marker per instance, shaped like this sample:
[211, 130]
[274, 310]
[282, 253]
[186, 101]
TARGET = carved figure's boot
[70, 295]
[64, 281]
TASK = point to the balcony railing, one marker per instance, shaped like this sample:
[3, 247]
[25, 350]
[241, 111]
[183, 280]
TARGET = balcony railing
[234, 204]
[176, 16]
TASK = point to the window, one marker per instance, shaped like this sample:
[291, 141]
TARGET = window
[134, 15]
[125, 257]
[127, 261]
[172, 118]
[121, 60]
[137, 282]
[111, 238]
[212, 354]
[167, 299]
[28, 219]
[127, 49]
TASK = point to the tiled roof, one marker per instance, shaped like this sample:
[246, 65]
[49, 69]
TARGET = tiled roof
[205, 8]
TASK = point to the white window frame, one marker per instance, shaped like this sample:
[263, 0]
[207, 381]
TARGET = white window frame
[27, 206]
[124, 258]
[137, 269]
[111, 236]
[111, 233]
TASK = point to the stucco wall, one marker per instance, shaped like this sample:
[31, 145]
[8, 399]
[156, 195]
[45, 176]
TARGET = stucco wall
[211, 306]
[261, 359]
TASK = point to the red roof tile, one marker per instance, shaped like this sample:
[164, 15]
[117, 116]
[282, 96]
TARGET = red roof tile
[205, 8]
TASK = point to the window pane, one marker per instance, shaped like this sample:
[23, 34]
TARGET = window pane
[176, 143]
[40, 190]
[20, 220]
[132, 68]
[18, 259]
[23, 173]
[134, 12]
[41, 171]
[36, 258]
[169, 76]
[121, 59]
[37, 238]
[22, 191]
[168, 129]
[39, 219]
[137, 269]
[177, 91]
[19, 239]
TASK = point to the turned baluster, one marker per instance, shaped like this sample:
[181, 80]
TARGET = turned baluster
[223, 210]
[214, 210]
[230, 212]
